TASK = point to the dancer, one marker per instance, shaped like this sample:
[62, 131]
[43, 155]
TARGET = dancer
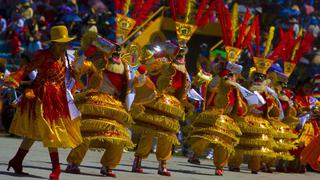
[43, 112]
[104, 108]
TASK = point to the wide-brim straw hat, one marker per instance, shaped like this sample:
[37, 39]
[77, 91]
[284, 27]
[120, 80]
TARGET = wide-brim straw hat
[60, 34]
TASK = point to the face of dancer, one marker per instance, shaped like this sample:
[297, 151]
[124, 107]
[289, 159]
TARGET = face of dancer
[59, 49]
[258, 79]
[116, 55]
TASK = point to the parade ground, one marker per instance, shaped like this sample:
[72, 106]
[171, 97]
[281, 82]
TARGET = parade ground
[38, 164]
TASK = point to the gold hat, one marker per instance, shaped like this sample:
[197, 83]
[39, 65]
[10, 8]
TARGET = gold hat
[233, 53]
[91, 21]
[124, 26]
[184, 31]
[288, 68]
[60, 34]
[262, 64]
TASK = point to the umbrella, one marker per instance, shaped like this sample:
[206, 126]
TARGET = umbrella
[288, 12]
[309, 9]
[71, 18]
[65, 9]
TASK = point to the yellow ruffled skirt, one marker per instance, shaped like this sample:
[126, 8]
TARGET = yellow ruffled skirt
[214, 127]
[159, 118]
[284, 138]
[257, 136]
[104, 119]
[30, 123]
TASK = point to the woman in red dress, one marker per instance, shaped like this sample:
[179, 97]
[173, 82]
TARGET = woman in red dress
[43, 111]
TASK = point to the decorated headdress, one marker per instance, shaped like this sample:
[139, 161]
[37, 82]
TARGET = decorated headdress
[185, 10]
[234, 42]
[291, 50]
[130, 15]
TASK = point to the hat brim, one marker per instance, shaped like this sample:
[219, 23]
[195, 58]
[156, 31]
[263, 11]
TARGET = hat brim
[64, 40]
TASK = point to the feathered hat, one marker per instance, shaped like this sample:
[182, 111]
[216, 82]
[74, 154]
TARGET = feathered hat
[185, 10]
[130, 15]
[294, 49]
[235, 41]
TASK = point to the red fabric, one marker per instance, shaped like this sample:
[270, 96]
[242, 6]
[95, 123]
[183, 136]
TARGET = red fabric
[177, 80]
[231, 98]
[224, 73]
[15, 45]
[118, 80]
[90, 51]
[285, 105]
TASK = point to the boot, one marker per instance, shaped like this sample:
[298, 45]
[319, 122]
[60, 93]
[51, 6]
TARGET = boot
[107, 172]
[54, 156]
[136, 167]
[163, 171]
[193, 159]
[219, 172]
[73, 169]
[16, 162]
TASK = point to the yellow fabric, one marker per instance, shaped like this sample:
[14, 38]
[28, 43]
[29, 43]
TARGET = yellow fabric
[104, 120]
[167, 104]
[112, 155]
[101, 104]
[254, 163]
[257, 136]
[77, 154]
[102, 131]
[110, 158]
[216, 128]
[63, 133]
[235, 160]
[153, 131]
[163, 152]
[220, 156]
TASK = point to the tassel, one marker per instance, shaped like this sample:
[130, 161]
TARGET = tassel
[225, 22]
[249, 36]
[190, 7]
[200, 10]
[305, 46]
[181, 5]
[136, 8]
[117, 5]
[173, 9]
[126, 6]
[235, 21]
[204, 18]
[257, 33]
[146, 9]
[269, 41]
[243, 28]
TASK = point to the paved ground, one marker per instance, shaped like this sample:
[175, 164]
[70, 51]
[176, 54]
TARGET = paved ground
[38, 164]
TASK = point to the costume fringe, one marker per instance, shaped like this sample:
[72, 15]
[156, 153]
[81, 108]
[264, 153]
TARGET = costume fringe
[160, 121]
[284, 146]
[171, 137]
[254, 125]
[291, 121]
[109, 112]
[257, 142]
[97, 125]
[99, 143]
[257, 152]
[168, 104]
[216, 140]
[212, 118]
[216, 132]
